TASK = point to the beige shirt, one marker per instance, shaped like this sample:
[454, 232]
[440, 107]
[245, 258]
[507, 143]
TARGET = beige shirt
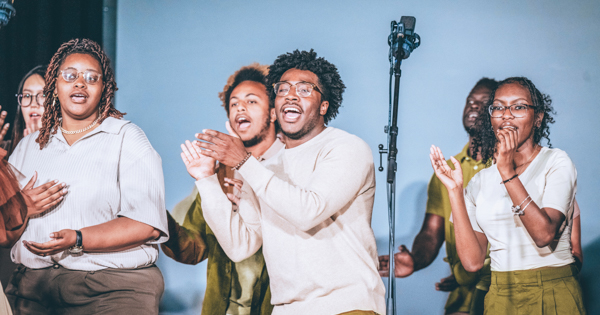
[111, 172]
[310, 208]
[551, 181]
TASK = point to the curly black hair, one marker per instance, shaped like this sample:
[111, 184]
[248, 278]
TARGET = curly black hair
[329, 83]
[485, 140]
[52, 112]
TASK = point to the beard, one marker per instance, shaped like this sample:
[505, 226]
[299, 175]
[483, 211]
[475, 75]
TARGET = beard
[310, 125]
[258, 138]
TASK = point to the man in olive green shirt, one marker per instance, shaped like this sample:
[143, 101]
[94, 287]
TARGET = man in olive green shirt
[467, 290]
[232, 288]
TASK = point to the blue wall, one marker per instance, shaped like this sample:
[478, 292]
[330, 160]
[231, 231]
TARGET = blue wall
[173, 58]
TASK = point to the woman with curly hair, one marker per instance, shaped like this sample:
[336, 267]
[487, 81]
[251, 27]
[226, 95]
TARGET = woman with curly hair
[94, 252]
[522, 205]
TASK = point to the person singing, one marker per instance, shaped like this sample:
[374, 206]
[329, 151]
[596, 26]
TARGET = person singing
[94, 252]
[522, 205]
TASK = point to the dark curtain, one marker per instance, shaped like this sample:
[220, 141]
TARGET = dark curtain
[34, 34]
[31, 37]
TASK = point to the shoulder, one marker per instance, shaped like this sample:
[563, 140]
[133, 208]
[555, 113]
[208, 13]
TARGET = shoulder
[343, 140]
[557, 155]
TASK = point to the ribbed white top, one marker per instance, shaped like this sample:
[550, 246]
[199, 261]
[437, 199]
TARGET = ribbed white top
[112, 171]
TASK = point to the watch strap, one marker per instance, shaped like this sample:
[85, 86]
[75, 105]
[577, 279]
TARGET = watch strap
[79, 239]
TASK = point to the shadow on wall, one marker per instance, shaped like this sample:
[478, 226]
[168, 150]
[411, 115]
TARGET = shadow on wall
[590, 278]
[410, 211]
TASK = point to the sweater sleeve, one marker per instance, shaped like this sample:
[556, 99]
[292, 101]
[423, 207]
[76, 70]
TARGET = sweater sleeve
[338, 177]
[238, 231]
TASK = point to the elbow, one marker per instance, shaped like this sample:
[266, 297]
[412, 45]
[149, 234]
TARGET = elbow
[540, 243]
[152, 235]
[543, 240]
[473, 266]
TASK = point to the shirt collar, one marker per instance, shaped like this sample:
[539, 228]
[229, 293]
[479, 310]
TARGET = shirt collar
[275, 147]
[109, 125]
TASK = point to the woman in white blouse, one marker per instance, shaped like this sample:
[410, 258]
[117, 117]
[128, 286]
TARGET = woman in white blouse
[94, 252]
[522, 205]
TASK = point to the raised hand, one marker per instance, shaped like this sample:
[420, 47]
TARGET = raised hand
[237, 189]
[228, 150]
[197, 164]
[60, 241]
[4, 129]
[447, 284]
[506, 147]
[44, 196]
[451, 178]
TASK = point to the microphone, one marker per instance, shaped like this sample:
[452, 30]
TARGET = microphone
[403, 39]
[409, 30]
[6, 12]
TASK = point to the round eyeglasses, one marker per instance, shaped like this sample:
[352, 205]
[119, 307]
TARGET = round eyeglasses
[303, 89]
[27, 99]
[517, 110]
[89, 76]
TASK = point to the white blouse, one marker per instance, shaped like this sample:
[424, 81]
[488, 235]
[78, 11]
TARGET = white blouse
[551, 181]
[111, 172]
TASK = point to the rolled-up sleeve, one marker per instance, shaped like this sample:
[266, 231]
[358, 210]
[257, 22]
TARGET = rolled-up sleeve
[141, 182]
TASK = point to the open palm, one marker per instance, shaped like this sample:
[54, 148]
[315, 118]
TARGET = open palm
[197, 165]
[451, 178]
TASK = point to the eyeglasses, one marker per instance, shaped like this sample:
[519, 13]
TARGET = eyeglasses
[71, 75]
[517, 110]
[26, 99]
[303, 89]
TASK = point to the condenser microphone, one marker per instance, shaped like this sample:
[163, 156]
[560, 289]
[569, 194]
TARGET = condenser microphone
[6, 12]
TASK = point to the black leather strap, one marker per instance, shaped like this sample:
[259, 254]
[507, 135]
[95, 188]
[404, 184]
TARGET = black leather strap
[79, 240]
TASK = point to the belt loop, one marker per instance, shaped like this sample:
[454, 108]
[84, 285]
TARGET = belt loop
[539, 277]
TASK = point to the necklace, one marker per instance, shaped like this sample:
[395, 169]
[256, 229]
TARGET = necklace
[80, 130]
[530, 158]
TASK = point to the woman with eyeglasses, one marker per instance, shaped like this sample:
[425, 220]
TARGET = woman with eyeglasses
[93, 253]
[28, 118]
[522, 205]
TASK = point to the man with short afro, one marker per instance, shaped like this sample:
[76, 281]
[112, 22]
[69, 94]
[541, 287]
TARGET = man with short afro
[309, 207]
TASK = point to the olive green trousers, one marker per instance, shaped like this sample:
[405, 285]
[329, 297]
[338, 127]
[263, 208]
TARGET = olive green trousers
[546, 291]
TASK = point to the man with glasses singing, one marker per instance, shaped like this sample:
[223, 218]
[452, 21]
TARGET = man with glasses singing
[310, 206]
[467, 290]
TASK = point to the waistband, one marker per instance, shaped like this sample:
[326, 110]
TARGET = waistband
[533, 276]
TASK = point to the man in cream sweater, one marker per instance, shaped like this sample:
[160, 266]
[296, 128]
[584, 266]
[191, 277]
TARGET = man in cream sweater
[309, 206]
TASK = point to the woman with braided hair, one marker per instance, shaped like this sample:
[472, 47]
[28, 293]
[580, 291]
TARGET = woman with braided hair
[522, 205]
[94, 252]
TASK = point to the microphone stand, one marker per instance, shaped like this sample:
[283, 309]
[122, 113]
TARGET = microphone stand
[392, 152]
[401, 42]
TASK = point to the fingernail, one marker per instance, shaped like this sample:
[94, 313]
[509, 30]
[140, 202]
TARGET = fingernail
[203, 130]
[51, 234]
[63, 185]
[65, 191]
[196, 135]
[55, 181]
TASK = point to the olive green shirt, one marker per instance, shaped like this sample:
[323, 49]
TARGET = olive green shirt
[438, 203]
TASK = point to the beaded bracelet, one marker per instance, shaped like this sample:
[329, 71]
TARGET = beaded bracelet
[237, 167]
[517, 209]
[522, 211]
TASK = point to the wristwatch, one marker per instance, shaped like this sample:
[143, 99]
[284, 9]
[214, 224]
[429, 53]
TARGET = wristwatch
[78, 248]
